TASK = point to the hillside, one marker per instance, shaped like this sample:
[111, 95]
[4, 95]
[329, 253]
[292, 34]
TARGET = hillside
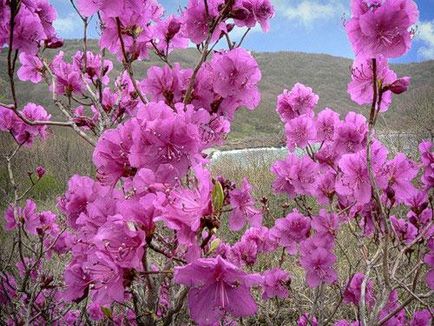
[327, 75]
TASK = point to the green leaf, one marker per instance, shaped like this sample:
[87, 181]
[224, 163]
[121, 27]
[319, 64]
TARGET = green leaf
[214, 245]
[218, 196]
[107, 312]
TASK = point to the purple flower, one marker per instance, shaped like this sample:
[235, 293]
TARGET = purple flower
[249, 12]
[400, 85]
[317, 260]
[404, 230]
[186, 207]
[382, 29]
[106, 278]
[8, 288]
[421, 318]
[361, 89]
[300, 131]
[398, 319]
[295, 176]
[95, 312]
[353, 290]
[300, 100]
[426, 151]
[326, 223]
[40, 171]
[95, 68]
[326, 124]
[275, 284]
[122, 242]
[167, 84]
[31, 68]
[217, 287]
[111, 154]
[76, 281]
[28, 31]
[243, 208]
[351, 134]
[400, 173]
[109, 8]
[68, 76]
[307, 320]
[168, 35]
[197, 20]
[291, 230]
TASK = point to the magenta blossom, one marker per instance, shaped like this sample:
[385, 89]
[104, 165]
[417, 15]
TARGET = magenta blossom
[400, 173]
[421, 318]
[326, 124]
[300, 132]
[121, 240]
[361, 88]
[291, 230]
[295, 175]
[398, 319]
[351, 134]
[382, 29]
[243, 207]
[353, 291]
[31, 68]
[275, 284]
[249, 12]
[167, 84]
[307, 320]
[168, 35]
[299, 100]
[326, 223]
[318, 260]
[217, 287]
[426, 150]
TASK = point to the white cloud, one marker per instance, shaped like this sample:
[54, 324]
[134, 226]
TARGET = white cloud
[66, 26]
[307, 12]
[425, 33]
[238, 32]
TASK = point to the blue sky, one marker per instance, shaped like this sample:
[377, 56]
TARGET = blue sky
[299, 25]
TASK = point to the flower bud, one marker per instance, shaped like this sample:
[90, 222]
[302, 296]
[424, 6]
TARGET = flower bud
[400, 85]
[40, 171]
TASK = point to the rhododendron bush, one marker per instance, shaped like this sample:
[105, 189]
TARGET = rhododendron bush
[149, 239]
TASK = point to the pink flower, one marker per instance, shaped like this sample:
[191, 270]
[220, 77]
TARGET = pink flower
[8, 288]
[243, 207]
[122, 242]
[326, 124]
[295, 175]
[361, 88]
[275, 284]
[31, 68]
[307, 320]
[162, 136]
[326, 223]
[109, 8]
[167, 84]
[382, 29]
[217, 287]
[95, 68]
[76, 281]
[317, 261]
[28, 31]
[197, 20]
[404, 230]
[300, 100]
[300, 131]
[111, 153]
[168, 35]
[186, 207]
[249, 12]
[400, 174]
[400, 85]
[421, 318]
[106, 278]
[95, 312]
[399, 318]
[236, 77]
[68, 76]
[426, 151]
[353, 290]
[40, 171]
[355, 181]
[291, 230]
[351, 134]
[76, 197]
